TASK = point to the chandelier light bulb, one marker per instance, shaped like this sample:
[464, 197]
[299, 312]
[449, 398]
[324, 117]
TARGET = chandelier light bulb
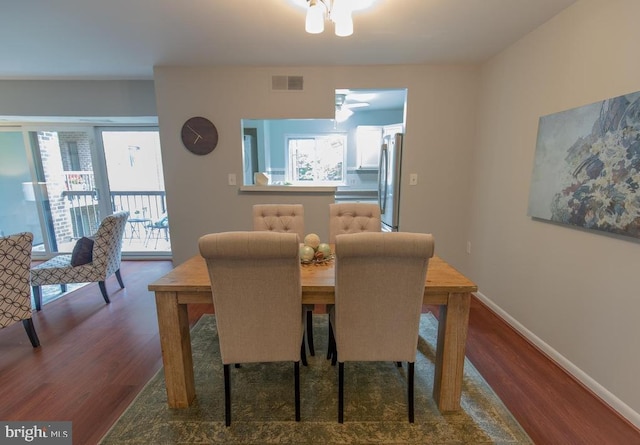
[314, 23]
[344, 27]
[338, 11]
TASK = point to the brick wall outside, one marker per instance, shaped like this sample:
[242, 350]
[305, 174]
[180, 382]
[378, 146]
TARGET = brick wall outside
[84, 149]
[53, 174]
[68, 215]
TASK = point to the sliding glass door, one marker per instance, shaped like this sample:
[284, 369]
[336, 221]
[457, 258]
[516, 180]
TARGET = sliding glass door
[133, 165]
[60, 182]
[18, 197]
[70, 188]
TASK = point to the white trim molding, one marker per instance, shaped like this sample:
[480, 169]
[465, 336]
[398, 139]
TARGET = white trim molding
[614, 402]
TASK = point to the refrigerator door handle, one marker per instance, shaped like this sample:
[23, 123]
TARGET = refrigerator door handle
[382, 181]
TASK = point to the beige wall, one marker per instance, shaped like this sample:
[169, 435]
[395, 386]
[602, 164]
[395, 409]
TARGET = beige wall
[439, 141]
[577, 291]
[84, 98]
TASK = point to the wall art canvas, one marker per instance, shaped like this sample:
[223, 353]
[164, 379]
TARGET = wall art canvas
[587, 167]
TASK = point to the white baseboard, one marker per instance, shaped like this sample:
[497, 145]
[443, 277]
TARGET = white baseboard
[618, 405]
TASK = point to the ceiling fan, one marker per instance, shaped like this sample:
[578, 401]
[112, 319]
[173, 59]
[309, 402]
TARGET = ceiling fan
[345, 105]
[344, 100]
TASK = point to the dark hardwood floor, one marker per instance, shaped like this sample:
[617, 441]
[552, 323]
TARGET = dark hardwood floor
[95, 358]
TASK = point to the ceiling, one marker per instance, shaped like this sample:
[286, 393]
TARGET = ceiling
[125, 39]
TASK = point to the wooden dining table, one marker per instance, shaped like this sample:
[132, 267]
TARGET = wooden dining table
[189, 283]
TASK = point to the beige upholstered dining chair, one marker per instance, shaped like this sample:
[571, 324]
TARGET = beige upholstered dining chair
[285, 218]
[353, 218]
[356, 217]
[15, 294]
[257, 294]
[380, 279]
[93, 260]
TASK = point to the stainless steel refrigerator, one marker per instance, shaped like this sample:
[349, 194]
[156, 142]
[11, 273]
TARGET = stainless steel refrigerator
[389, 175]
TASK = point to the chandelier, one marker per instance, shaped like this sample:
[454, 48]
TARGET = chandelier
[337, 11]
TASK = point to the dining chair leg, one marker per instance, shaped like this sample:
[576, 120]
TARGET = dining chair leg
[312, 350]
[296, 372]
[410, 390]
[341, 392]
[227, 397]
[303, 353]
[332, 343]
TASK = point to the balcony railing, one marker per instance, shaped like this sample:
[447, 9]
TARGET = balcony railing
[79, 180]
[140, 205]
[144, 207]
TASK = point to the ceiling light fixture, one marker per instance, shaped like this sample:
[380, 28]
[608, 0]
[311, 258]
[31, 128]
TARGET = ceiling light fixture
[344, 109]
[342, 113]
[338, 11]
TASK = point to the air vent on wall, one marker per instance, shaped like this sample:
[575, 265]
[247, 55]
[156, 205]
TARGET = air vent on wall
[287, 83]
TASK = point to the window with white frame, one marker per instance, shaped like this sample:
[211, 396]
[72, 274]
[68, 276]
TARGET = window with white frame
[316, 159]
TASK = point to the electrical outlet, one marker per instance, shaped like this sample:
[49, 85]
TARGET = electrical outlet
[232, 179]
[468, 247]
[413, 179]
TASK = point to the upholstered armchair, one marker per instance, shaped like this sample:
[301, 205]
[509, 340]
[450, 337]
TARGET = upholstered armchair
[353, 218]
[257, 294]
[285, 218]
[102, 255]
[15, 294]
[380, 279]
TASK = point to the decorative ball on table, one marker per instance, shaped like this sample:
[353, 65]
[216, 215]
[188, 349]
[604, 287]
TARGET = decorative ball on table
[325, 249]
[312, 240]
[306, 254]
[313, 251]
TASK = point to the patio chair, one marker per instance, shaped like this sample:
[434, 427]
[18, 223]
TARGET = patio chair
[157, 228]
[93, 260]
[380, 279]
[257, 294]
[15, 295]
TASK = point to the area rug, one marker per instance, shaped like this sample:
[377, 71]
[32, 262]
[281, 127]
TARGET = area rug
[263, 411]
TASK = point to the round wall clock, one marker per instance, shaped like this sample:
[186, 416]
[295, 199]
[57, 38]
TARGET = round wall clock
[199, 135]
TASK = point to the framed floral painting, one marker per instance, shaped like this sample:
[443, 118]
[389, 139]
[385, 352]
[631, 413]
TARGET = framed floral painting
[587, 167]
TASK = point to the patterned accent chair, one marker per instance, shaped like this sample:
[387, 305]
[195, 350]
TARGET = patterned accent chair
[285, 218]
[380, 280]
[258, 319]
[353, 218]
[106, 257]
[15, 294]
